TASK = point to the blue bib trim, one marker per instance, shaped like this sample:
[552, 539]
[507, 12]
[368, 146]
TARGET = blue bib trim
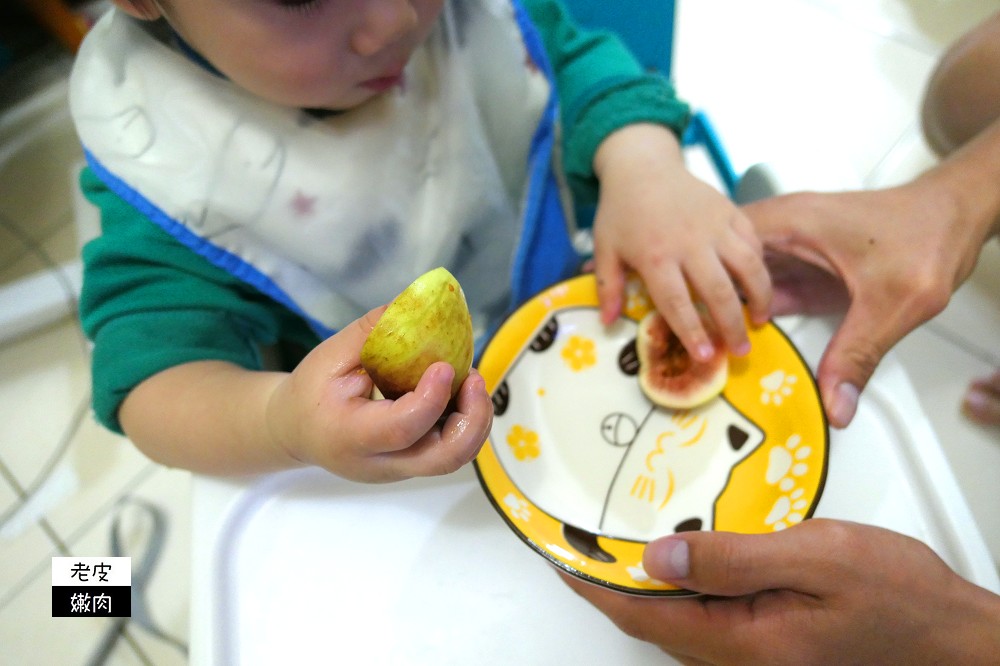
[545, 254]
[227, 261]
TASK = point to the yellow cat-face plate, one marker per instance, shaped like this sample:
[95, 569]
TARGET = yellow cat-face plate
[586, 470]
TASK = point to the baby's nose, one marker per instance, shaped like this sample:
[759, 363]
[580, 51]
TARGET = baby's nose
[383, 22]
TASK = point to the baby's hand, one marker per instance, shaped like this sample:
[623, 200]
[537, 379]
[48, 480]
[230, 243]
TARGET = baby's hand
[321, 414]
[686, 240]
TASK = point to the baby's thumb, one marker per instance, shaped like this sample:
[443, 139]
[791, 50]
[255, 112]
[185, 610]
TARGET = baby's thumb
[363, 325]
[341, 353]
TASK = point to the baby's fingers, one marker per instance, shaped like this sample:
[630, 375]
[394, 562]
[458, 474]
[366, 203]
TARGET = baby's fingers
[393, 425]
[473, 417]
[609, 272]
[459, 438]
[406, 437]
[672, 298]
[455, 443]
[745, 262]
[714, 285]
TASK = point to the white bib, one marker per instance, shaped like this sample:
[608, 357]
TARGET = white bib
[330, 216]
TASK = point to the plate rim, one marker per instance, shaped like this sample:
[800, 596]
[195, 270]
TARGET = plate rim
[672, 591]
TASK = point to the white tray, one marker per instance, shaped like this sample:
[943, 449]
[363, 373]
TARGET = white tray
[305, 568]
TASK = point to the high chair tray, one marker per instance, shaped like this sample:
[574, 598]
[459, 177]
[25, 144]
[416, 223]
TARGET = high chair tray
[302, 567]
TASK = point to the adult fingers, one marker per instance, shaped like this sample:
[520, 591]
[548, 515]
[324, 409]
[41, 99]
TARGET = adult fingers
[729, 564]
[801, 287]
[982, 400]
[868, 331]
[632, 614]
[686, 629]
[769, 217]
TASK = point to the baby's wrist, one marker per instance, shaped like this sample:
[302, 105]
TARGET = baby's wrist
[646, 145]
[276, 432]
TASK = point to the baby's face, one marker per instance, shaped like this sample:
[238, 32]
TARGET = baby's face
[328, 54]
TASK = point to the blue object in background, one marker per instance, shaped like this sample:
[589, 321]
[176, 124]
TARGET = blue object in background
[701, 132]
[647, 28]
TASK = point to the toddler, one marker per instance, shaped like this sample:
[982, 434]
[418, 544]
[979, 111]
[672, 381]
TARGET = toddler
[270, 172]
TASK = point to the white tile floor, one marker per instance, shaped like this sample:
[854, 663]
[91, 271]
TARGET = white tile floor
[827, 91]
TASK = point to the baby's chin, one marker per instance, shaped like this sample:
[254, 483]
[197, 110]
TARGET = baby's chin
[335, 108]
[315, 104]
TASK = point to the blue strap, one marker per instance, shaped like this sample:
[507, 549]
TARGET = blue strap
[701, 132]
[545, 254]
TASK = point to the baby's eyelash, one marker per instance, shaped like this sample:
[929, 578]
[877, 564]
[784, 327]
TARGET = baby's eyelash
[300, 5]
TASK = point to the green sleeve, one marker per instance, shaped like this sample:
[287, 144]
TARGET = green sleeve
[602, 88]
[148, 304]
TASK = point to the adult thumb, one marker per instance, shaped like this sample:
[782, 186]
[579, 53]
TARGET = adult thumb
[726, 563]
[851, 357]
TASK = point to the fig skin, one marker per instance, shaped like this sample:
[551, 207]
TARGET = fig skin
[429, 321]
[668, 375]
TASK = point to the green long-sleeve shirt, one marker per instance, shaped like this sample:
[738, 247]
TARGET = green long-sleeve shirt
[149, 303]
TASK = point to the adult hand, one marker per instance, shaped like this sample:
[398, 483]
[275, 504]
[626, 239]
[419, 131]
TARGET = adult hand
[982, 400]
[824, 591]
[891, 258]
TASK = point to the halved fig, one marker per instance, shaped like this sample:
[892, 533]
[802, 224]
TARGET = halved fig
[668, 375]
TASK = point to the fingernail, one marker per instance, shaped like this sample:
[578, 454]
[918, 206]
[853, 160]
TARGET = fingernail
[975, 400]
[611, 310]
[975, 397]
[845, 405]
[742, 349]
[704, 351]
[672, 559]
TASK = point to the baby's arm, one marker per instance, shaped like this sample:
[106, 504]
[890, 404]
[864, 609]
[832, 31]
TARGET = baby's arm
[686, 240]
[175, 365]
[620, 125]
[218, 418]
